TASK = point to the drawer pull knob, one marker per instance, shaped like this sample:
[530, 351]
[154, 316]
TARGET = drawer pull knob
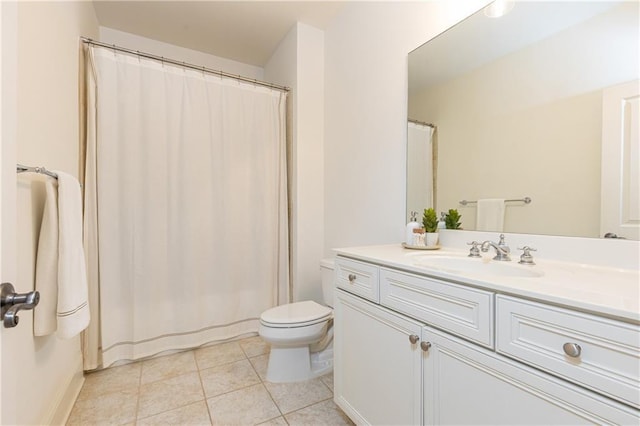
[414, 339]
[425, 346]
[352, 278]
[572, 349]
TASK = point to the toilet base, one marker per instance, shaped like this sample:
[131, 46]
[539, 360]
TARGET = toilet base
[289, 364]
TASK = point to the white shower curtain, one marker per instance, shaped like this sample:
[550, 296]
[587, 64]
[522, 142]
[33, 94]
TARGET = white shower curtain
[190, 220]
[420, 171]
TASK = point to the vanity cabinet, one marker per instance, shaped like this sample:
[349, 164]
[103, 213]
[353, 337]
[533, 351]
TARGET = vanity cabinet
[460, 310]
[591, 351]
[468, 385]
[425, 354]
[377, 367]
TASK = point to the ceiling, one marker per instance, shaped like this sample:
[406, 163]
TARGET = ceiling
[244, 31]
[482, 40]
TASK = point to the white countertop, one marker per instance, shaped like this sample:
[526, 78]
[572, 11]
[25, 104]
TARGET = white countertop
[601, 290]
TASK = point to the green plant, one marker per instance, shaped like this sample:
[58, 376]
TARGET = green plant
[452, 219]
[430, 220]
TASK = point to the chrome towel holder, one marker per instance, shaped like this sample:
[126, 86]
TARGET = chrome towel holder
[28, 169]
[526, 200]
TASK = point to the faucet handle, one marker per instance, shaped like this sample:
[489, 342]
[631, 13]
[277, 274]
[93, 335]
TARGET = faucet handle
[474, 251]
[501, 242]
[526, 258]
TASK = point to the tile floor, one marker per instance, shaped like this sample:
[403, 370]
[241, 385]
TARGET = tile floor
[222, 384]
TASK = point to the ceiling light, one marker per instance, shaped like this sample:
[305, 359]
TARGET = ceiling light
[498, 8]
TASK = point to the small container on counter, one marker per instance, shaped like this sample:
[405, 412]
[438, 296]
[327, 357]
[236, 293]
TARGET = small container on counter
[413, 224]
[418, 237]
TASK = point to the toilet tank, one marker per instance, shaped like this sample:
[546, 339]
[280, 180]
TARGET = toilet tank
[326, 268]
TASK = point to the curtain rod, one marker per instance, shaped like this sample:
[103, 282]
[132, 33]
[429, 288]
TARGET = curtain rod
[433, 126]
[87, 40]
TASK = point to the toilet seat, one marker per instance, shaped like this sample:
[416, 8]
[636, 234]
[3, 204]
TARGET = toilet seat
[298, 314]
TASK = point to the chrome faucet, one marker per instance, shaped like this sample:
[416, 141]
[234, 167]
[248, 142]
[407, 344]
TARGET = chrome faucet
[502, 250]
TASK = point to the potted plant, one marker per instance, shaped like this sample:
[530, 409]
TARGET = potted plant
[430, 222]
[452, 219]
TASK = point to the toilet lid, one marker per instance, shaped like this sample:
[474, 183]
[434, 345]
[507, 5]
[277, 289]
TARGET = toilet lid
[307, 312]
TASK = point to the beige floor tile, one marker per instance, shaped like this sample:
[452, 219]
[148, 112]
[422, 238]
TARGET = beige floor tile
[192, 414]
[165, 395]
[228, 377]
[327, 379]
[248, 406]
[212, 356]
[254, 346]
[174, 391]
[260, 364]
[278, 421]
[164, 367]
[293, 396]
[322, 413]
[116, 408]
[99, 383]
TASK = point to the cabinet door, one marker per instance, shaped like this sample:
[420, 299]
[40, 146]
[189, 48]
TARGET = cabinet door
[464, 384]
[377, 368]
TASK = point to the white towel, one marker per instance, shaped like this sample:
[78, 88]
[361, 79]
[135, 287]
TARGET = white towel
[44, 316]
[72, 307]
[490, 215]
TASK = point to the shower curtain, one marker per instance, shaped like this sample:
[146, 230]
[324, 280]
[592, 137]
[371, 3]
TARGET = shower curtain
[185, 206]
[420, 168]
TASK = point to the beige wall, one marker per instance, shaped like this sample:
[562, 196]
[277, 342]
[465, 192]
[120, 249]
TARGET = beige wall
[8, 72]
[366, 49]
[520, 126]
[159, 48]
[299, 63]
[48, 369]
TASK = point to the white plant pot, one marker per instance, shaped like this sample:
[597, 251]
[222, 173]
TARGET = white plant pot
[431, 239]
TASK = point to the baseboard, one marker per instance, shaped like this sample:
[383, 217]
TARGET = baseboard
[61, 408]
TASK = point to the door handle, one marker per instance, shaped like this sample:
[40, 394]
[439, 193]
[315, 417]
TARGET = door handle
[11, 303]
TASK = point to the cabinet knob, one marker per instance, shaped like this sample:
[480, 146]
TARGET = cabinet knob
[414, 339]
[572, 349]
[425, 346]
[352, 278]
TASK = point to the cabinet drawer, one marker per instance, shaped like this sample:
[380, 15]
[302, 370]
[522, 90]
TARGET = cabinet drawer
[463, 311]
[358, 278]
[601, 354]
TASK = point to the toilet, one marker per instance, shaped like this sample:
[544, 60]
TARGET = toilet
[301, 335]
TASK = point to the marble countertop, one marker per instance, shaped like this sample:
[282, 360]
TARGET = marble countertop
[611, 292]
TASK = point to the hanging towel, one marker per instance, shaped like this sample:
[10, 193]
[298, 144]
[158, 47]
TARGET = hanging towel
[44, 317]
[490, 215]
[73, 308]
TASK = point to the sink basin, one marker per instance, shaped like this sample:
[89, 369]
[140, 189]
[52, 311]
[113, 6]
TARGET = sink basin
[483, 266]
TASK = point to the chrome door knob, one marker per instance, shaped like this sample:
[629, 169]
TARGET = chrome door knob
[572, 349]
[425, 346]
[11, 303]
[414, 339]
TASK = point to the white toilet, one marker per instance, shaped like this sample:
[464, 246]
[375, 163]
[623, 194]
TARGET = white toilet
[301, 335]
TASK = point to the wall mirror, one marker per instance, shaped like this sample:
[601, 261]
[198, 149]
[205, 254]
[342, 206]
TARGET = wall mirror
[518, 105]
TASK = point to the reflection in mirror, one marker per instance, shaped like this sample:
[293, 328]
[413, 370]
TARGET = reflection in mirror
[518, 106]
[421, 165]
